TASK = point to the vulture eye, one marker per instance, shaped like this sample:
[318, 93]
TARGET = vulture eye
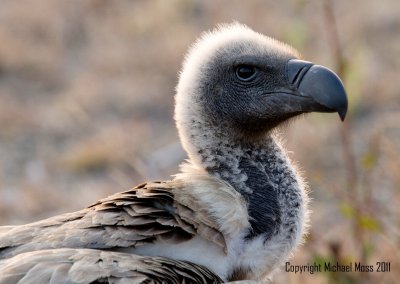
[245, 72]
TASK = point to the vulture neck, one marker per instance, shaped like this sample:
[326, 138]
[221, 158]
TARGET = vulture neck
[262, 173]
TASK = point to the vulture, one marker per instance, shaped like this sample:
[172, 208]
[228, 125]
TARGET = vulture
[238, 207]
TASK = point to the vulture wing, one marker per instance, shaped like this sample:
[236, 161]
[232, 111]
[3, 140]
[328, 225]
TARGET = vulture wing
[73, 266]
[144, 214]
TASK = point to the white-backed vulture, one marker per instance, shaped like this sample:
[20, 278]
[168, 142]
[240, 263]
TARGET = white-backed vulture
[239, 206]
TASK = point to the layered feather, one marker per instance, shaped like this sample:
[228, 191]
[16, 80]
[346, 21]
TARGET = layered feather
[81, 266]
[144, 214]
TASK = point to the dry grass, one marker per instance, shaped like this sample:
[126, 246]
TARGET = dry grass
[86, 103]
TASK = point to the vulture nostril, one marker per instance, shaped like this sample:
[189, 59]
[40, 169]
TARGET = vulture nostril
[296, 71]
[299, 76]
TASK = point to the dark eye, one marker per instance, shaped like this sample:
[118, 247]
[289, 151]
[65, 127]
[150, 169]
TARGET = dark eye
[246, 72]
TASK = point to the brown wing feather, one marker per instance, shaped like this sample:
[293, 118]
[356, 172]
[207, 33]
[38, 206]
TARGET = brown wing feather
[89, 266]
[127, 219]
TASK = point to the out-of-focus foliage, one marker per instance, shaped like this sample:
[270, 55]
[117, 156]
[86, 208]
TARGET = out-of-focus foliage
[86, 107]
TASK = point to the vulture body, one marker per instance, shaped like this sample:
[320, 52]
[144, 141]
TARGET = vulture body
[238, 207]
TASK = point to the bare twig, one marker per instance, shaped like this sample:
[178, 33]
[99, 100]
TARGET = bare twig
[352, 179]
[341, 66]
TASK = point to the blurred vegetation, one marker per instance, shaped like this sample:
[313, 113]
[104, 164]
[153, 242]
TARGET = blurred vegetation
[86, 106]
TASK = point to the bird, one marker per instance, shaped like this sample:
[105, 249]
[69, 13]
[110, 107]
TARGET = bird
[239, 205]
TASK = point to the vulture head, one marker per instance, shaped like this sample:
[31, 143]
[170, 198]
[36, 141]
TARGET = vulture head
[237, 84]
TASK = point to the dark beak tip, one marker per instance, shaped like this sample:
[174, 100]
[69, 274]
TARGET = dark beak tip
[342, 114]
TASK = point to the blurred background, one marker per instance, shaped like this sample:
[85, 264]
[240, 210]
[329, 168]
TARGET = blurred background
[86, 107]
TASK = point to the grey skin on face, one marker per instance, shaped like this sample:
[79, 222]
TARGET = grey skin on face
[253, 93]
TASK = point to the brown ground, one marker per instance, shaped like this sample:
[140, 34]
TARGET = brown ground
[86, 104]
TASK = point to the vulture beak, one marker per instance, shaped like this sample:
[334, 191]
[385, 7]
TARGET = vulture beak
[320, 84]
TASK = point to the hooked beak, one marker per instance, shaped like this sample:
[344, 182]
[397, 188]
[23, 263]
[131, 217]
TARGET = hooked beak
[320, 84]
